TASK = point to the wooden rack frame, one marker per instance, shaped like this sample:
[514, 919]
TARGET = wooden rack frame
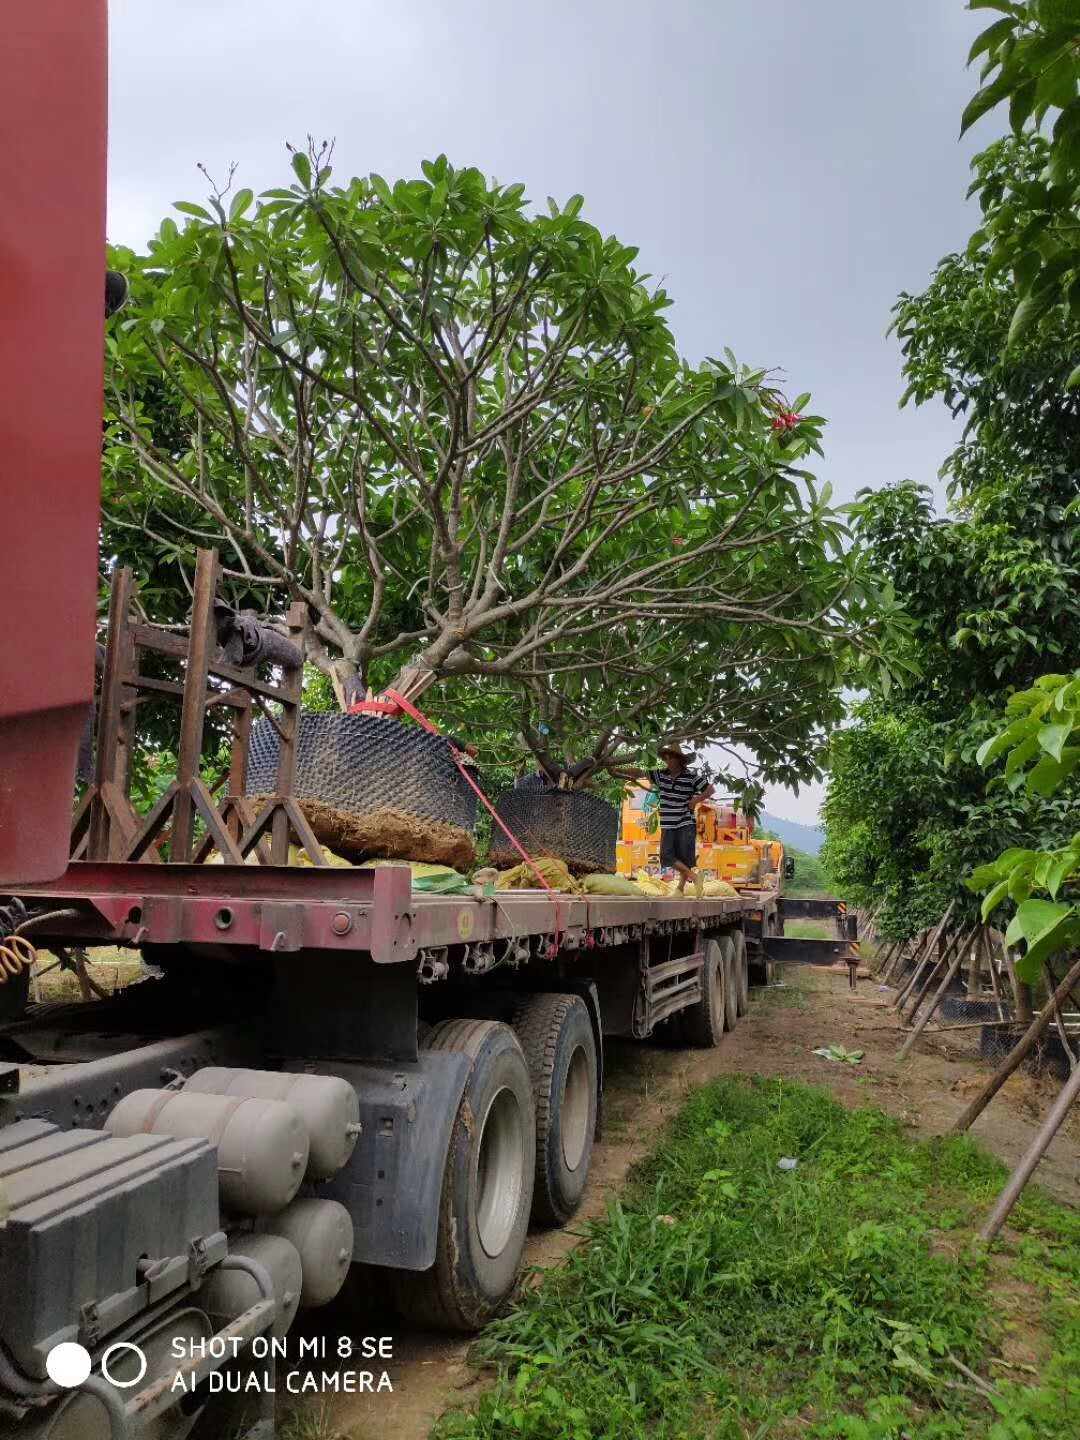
[106, 825]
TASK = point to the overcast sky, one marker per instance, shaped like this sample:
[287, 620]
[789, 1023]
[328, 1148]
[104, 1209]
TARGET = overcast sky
[787, 166]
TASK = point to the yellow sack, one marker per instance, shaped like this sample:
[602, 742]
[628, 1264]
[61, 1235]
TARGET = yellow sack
[609, 885]
[301, 857]
[524, 877]
[653, 885]
[719, 889]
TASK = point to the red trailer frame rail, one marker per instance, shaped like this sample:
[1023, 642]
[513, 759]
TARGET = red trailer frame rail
[336, 909]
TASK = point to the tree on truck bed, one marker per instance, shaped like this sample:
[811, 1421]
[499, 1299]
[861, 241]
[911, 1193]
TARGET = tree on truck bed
[460, 431]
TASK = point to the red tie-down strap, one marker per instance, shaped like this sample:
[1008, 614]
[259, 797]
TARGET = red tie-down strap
[410, 709]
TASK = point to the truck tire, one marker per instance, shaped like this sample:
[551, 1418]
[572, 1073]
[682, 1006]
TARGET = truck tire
[556, 1036]
[702, 1025]
[731, 983]
[487, 1186]
[742, 975]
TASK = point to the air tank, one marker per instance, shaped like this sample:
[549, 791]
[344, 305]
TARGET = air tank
[262, 1145]
[326, 1104]
[322, 1232]
[228, 1293]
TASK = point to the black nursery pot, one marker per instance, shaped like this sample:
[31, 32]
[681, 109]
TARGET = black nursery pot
[372, 787]
[567, 825]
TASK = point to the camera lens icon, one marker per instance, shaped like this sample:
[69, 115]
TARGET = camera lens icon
[69, 1365]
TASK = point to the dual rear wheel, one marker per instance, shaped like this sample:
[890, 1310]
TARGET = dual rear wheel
[724, 997]
[521, 1145]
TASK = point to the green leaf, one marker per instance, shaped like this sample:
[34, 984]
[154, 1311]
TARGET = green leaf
[1025, 315]
[1058, 14]
[1049, 773]
[1046, 927]
[1060, 871]
[990, 749]
[187, 208]
[985, 100]
[302, 167]
[999, 893]
[240, 202]
[991, 37]
[1053, 738]
[1021, 104]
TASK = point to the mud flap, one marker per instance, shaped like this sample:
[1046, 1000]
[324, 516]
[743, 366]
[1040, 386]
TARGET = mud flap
[393, 1180]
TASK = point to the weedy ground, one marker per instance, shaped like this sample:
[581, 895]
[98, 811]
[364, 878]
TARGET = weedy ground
[845, 1299]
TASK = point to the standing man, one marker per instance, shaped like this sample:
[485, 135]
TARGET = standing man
[681, 790]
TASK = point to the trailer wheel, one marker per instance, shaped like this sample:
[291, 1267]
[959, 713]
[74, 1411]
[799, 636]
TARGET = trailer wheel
[487, 1186]
[702, 1025]
[742, 977]
[731, 983]
[556, 1036]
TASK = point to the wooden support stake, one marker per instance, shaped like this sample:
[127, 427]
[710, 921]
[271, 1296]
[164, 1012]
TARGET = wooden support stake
[995, 983]
[890, 949]
[1018, 1053]
[896, 963]
[923, 954]
[974, 975]
[1059, 1022]
[958, 941]
[1038, 1148]
[193, 714]
[924, 1020]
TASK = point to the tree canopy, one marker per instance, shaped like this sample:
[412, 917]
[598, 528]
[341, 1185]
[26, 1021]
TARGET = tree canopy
[1031, 63]
[990, 592]
[460, 431]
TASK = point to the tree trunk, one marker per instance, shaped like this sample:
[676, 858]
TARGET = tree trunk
[974, 977]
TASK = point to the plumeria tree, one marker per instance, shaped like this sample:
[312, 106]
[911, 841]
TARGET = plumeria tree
[459, 430]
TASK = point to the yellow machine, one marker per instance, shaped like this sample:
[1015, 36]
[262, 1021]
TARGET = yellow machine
[726, 847]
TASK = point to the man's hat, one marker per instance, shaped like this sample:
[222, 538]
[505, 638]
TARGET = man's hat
[672, 748]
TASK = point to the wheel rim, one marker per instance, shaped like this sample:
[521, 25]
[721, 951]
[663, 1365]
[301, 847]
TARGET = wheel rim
[574, 1116]
[500, 1172]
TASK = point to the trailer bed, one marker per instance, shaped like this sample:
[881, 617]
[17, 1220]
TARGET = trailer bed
[287, 910]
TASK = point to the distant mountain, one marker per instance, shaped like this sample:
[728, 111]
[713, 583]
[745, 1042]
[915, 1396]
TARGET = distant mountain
[807, 838]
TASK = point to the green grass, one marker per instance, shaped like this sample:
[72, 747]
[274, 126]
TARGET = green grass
[729, 1299]
[809, 930]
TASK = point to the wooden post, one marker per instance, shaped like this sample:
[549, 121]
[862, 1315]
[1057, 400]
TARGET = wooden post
[1038, 1148]
[897, 960]
[938, 993]
[1051, 986]
[890, 949]
[994, 981]
[193, 714]
[923, 954]
[1017, 1054]
[957, 941]
[974, 975]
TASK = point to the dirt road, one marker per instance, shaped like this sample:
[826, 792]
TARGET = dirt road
[646, 1085]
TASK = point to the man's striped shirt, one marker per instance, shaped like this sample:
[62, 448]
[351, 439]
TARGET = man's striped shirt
[676, 792]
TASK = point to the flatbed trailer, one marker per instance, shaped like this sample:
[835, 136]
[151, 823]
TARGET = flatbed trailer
[469, 1029]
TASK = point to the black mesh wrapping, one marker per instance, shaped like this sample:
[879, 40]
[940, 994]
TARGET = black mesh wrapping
[366, 763]
[581, 829]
